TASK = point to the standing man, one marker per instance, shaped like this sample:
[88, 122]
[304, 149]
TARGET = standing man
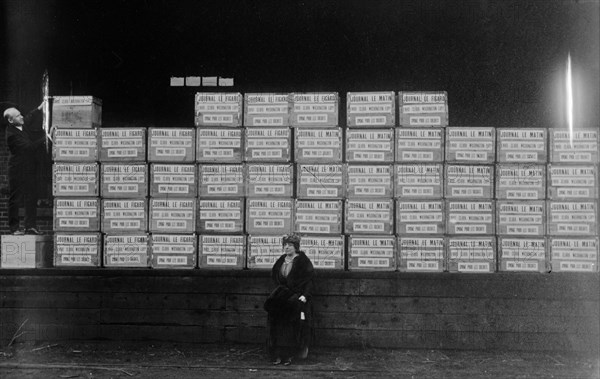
[23, 138]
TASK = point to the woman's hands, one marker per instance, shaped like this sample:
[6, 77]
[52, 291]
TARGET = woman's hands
[302, 299]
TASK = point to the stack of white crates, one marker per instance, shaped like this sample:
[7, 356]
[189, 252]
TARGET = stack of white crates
[573, 200]
[521, 193]
[172, 207]
[221, 184]
[470, 205]
[269, 175]
[75, 178]
[124, 176]
[419, 181]
[320, 190]
[369, 205]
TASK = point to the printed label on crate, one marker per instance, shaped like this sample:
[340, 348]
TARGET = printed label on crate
[371, 109]
[419, 181]
[419, 145]
[318, 217]
[521, 218]
[221, 216]
[173, 180]
[266, 109]
[320, 181]
[423, 108]
[517, 249]
[507, 264]
[521, 181]
[430, 248]
[173, 250]
[469, 181]
[325, 252]
[218, 109]
[272, 144]
[171, 145]
[417, 265]
[77, 214]
[572, 182]
[176, 216]
[318, 145]
[369, 217]
[470, 145]
[123, 143]
[577, 147]
[269, 216]
[126, 250]
[75, 179]
[263, 251]
[314, 109]
[124, 180]
[421, 254]
[218, 145]
[77, 249]
[574, 254]
[370, 181]
[371, 252]
[474, 267]
[572, 218]
[575, 266]
[124, 215]
[370, 145]
[420, 217]
[226, 251]
[270, 180]
[471, 254]
[522, 145]
[221, 180]
[470, 217]
[75, 100]
[76, 112]
[75, 145]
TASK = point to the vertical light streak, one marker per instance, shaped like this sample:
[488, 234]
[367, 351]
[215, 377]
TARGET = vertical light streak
[569, 99]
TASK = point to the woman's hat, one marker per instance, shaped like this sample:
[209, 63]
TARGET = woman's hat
[292, 238]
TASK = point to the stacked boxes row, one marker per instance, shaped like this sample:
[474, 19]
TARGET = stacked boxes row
[573, 200]
[272, 208]
[521, 193]
[369, 204]
[469, 198]
[380, 189]
[75, 181]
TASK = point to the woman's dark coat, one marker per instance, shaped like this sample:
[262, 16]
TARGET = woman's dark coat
[283, 305]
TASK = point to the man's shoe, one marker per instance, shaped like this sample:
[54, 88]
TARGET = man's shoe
[32, 231]
[18, 232]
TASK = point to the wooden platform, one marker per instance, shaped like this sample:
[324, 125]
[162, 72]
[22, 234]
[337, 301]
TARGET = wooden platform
[501, 311]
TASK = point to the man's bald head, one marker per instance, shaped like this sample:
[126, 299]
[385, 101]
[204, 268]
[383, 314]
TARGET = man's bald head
[13, 117]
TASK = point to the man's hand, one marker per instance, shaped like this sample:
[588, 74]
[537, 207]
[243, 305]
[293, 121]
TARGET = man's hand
[41, 106]
[302, 299]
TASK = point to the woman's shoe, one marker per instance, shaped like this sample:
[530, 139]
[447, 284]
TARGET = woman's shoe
[288, 361]
[303, 353]
[277, 361]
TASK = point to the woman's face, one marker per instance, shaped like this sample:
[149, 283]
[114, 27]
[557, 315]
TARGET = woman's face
[289, 248]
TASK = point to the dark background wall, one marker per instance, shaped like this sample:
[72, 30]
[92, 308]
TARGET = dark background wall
[502, 62]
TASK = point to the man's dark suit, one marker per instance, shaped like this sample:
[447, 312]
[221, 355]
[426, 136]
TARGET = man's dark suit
[23, 148]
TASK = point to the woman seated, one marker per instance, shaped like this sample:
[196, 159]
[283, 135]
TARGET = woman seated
[289, 306]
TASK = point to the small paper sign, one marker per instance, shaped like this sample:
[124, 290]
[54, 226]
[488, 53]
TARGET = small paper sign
[177, 81]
